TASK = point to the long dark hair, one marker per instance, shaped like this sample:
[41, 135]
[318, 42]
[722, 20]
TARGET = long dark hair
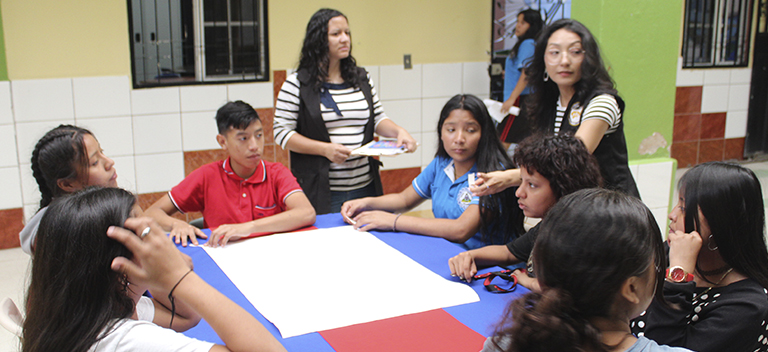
[74, 296]
[563, 160]
[594, 76]
[59, 154]
[501, 221]
[314, 51]
[533, 18]
[731, 200]
[589, 244]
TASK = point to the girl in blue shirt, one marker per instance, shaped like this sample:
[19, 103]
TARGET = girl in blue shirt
[468, 144]
[528, 26]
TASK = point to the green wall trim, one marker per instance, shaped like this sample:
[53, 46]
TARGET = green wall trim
[3, 62]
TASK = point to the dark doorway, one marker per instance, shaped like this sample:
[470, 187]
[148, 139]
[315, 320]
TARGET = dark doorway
[756, 142]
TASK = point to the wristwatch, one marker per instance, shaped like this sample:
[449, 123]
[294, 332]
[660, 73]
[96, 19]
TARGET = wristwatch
[678, 274]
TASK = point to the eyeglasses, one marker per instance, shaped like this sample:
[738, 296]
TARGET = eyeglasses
[555, 56]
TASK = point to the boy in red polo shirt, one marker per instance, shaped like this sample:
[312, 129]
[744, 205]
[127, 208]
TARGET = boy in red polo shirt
[237, 196]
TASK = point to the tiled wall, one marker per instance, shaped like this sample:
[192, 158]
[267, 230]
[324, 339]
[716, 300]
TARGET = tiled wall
[655, 180]
[710, 115]
[157, 136]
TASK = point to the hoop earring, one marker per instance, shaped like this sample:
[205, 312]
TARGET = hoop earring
[546, 76]
[709, 244]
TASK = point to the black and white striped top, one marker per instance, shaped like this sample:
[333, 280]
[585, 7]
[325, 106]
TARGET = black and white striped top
[603, 107]
[347, 130]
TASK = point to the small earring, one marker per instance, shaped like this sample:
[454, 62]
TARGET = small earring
[709, 244]
[546, 76]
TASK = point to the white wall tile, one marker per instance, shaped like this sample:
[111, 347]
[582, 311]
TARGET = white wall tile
[259, 95]
[373, 71]
[714, 99]
[736, 124]
[157, 133]
[126, 173]
[405, 160]
[30, 191]
[738, 97]
[159, 172]
[428, 147]
[8, 157]
[115, 134]
[405, 113]
[689, 77]
[203, 98]
[475, 79]
[42, 99]
[717, 76]
[6, 112]
[102, 96]
[655, 183]
[199, 130]
[634, 169]
[155, 101]
[395, 82]
[10, 193]
[660, 214]
[27, 135]
[741, 76]
[30, 210]
[441, 80]
[430, 114]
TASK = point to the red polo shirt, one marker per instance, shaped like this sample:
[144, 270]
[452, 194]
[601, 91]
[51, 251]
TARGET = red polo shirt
[225, 198]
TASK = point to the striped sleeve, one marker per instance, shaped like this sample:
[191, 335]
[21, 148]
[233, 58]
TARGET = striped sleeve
[378, 109]
[603, 107]
[286, 110]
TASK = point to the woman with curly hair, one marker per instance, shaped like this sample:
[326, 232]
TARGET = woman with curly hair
[327, 108]
[573, 93]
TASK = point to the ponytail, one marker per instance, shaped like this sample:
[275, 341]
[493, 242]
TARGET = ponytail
[59, 154]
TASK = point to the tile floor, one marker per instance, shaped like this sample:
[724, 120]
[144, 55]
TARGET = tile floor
[15, 264]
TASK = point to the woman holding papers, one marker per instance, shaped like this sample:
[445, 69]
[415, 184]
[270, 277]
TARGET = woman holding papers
[326, 108]
[468, 144]
[84, 266]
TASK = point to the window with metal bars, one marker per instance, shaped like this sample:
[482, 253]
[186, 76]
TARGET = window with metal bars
[177, 42]
[716, 33]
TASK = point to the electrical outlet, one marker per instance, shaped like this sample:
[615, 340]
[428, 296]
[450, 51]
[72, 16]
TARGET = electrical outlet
[407, 61]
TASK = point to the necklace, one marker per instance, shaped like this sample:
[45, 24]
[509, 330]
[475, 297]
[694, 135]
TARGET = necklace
[717, 283]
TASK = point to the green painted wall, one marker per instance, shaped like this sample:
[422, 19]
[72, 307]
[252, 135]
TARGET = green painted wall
[3, 63]
[639, 40]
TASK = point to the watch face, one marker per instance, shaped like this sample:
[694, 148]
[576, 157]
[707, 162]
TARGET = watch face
[677, 274]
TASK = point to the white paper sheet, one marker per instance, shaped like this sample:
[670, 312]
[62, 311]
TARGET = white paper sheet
[494, 109]
[330, 278]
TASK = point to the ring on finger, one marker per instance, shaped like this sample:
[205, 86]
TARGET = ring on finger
[144, 233]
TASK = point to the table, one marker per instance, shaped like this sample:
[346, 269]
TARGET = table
[433, 253]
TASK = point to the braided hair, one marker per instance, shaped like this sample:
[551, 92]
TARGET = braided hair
[60, 154]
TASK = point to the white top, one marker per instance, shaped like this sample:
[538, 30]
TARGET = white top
[133, 335]
[145, 309]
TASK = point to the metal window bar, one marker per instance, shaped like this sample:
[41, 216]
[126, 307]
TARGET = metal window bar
[716, 33]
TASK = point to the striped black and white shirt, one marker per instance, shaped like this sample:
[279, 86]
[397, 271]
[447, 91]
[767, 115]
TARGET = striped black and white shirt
[347, 130]
[603, 107]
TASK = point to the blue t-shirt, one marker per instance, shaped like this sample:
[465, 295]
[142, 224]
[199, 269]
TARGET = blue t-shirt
[513, 66]
[449, 197]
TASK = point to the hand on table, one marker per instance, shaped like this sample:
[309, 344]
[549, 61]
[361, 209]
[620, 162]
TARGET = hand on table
[373, 220]
[526, 281]
[463, 266]
[336, 153]
[351, 208]
[229, 232]
[183, 233]
[156, 262]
